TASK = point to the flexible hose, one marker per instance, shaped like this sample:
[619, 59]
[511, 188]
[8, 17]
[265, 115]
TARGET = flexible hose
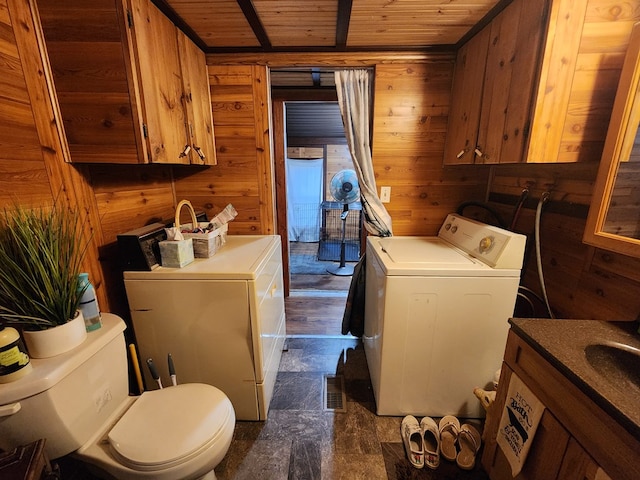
[543, 199]
[527, 290]
[529, 302]
[488, 208]
[518, 209]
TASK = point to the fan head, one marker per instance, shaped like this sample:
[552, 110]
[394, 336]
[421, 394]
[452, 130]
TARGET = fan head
[344, 187]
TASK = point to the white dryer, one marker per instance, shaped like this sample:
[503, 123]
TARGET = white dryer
[221, 318]
[436, 316]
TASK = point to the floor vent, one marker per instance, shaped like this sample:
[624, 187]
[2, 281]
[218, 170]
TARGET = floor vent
[335, 399]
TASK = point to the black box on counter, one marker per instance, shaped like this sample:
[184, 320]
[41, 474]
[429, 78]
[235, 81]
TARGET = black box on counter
[139, 250]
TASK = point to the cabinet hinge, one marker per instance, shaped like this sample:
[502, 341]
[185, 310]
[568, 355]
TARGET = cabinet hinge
[145, 132]
[130, 18]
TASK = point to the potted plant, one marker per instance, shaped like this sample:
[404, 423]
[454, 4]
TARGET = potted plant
[41, 251]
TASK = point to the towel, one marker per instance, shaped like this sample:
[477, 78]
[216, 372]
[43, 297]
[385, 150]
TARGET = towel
[353, 317]
[518, 424]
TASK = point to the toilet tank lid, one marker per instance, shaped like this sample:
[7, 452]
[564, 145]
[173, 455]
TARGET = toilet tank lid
[47, 372]
[165, 426]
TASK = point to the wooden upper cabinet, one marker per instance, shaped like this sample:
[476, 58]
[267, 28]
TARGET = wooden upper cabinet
[197, 101]
[154, 49]
[119, 73]
[466, 100]
[494, 87]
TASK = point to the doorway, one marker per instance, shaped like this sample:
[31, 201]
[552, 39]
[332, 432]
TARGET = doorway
[309, 138]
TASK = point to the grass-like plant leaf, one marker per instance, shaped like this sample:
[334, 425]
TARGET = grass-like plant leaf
[41, 251]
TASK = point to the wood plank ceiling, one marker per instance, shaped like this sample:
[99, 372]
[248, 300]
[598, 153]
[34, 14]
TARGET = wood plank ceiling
[227, 26]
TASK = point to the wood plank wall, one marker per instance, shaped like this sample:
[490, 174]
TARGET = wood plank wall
[581, 281]
[410, 123]
[24, 174]
[127, 197]
[411, 108]
[244, 175]
[33, 149]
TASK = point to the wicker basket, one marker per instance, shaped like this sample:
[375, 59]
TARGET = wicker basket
[205, 244]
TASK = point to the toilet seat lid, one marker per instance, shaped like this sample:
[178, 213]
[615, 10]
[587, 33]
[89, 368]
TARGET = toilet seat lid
[167, 426]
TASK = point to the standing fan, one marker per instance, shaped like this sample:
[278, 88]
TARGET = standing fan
[344, 189]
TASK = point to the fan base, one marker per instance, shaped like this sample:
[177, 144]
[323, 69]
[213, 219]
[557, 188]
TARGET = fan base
[341, 271]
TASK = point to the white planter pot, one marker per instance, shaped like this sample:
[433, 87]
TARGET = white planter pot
[56, 340]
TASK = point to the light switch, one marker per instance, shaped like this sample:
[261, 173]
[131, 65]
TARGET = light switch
[385, 194]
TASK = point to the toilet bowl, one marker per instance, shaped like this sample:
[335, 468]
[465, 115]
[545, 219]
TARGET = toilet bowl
[79, 402]
[175, 433]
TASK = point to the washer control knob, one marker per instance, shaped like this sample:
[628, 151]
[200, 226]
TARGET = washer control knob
[486, 244]
[454, 229]
[447, 226]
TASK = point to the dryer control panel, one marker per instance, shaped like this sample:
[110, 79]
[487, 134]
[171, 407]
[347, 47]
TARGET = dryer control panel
[497, 247]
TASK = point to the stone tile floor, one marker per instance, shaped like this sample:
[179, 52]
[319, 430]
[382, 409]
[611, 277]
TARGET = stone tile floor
[301, 440]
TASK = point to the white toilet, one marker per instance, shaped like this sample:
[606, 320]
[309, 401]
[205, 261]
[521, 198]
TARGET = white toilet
[79, 401]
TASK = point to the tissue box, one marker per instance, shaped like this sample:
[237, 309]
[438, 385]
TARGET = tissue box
[176, 253]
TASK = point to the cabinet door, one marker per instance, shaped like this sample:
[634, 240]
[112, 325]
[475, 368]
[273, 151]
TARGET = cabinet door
[510, 79]
[466, 97]
[155, 48]
[578, 465]
[493, 89]
[547, 450]
[90, 64]
[545, 456]
[197, 101]
[525, 77]
[497, 83]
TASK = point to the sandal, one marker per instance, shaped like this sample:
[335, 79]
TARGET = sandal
[469, 441]
[449, 428]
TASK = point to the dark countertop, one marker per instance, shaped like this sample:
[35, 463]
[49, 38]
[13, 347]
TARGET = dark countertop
[563, 342]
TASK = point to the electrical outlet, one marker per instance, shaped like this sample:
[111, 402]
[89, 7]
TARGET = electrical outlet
[385, 194]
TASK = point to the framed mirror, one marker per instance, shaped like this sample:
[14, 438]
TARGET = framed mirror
[614, 215]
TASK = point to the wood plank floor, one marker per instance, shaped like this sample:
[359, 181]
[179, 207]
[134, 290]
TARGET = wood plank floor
[316, 303]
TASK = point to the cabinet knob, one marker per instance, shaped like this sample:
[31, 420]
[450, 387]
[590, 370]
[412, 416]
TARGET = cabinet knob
[200, 153]
[461, 153]
[478, 152]
[185, 152]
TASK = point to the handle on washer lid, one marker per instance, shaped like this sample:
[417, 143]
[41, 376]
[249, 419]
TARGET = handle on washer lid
[10, 409]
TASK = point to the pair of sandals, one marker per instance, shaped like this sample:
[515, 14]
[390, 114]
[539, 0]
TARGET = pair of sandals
[466, 437]
[421, 441]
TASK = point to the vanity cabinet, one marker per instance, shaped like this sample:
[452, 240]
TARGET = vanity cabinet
[132, 87]
[576, 439]
[577, 464]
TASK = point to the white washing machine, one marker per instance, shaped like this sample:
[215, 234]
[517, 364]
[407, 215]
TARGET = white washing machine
[436, 316]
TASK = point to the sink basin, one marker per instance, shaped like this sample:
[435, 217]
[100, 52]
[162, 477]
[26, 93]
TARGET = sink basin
[616, 362]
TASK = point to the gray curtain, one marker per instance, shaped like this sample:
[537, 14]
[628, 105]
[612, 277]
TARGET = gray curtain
[355, 99]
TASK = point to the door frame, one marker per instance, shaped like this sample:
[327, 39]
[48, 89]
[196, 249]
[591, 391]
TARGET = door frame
[278, 99]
